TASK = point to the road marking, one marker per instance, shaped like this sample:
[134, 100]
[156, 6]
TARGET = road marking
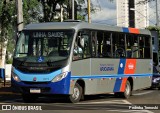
[121, 103]
[143, 93]
[107, 102]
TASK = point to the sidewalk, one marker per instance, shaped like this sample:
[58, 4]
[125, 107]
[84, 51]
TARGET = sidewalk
[6, 88]
[6, 93]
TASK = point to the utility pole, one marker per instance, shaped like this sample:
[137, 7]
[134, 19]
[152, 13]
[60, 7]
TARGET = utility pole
[89, 10]
[72, 9]
[61, 9]
[19, 15]
[157, 17]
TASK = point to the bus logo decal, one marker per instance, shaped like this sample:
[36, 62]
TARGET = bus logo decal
[40, 59]
[121, 65]
[106, 67]
[130, 66]
[34, 79]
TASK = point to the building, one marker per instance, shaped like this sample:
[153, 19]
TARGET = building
[132, 14]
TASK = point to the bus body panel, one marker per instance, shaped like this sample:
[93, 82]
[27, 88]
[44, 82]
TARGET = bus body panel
[141, 82]
[110, 75]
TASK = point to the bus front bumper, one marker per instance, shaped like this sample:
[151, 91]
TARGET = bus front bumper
[61, 87]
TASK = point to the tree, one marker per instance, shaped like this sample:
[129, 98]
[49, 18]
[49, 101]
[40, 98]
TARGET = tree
[32, 11]
[7, 12]
[49, 9]
[156, 28]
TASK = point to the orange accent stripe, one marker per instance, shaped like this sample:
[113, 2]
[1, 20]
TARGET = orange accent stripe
[123, 85]
[134, 30]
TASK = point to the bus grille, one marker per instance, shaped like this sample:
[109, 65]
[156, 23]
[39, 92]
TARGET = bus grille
[31, 83]
[37, 70]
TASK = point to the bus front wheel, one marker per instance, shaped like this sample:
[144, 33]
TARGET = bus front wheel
[77, 94]
[126, 94]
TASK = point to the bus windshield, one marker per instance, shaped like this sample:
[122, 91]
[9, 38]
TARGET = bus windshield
[50, 46]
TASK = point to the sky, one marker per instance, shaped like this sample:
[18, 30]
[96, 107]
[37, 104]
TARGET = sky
[106, 12]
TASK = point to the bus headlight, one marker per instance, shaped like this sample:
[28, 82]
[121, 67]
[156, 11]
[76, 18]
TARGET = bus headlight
[59, 77]
[15, 77]
[156, 80]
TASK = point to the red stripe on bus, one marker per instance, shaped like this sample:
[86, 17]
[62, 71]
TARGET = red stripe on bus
[134, 30]
[123, 85]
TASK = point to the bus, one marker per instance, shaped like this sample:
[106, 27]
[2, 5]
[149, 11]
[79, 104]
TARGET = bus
[73, 59]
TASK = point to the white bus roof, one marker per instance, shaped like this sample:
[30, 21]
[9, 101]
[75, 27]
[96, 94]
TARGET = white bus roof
[83, 25]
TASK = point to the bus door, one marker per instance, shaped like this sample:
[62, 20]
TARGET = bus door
[81, 54]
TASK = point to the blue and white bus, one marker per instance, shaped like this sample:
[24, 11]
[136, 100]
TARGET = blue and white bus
[77, 58]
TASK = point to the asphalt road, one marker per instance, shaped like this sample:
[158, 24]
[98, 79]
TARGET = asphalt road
[147, 99]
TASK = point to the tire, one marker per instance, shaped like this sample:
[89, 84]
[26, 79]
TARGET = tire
[29, 98]
[77, 94]
[117, 94]
[126, 94]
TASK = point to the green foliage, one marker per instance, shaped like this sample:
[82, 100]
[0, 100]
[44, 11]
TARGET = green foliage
[49, 8]
[155, 28]
[7, 13]
[9, 61]
[7, 22]
[31, 11]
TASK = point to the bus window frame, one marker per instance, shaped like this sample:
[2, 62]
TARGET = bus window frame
[94, 33]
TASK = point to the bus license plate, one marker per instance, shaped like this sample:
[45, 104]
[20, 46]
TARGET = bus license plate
[35, 90]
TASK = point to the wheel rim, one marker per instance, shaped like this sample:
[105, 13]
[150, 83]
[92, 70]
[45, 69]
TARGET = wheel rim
[76, 93]
[127, 91]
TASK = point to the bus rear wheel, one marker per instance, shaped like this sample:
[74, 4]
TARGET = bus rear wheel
[126, 94]
[77, 94]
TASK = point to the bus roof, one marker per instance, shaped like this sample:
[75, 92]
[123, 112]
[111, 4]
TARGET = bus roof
[83, 25]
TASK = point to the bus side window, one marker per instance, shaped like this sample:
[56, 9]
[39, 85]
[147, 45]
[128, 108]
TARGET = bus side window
[118, 45]
[141, 46]
[129, 44]
[135, 47]
[99, 44]
[106, 49]
[77, 51]
[147, 47]
[86, 48]
[94, 43]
